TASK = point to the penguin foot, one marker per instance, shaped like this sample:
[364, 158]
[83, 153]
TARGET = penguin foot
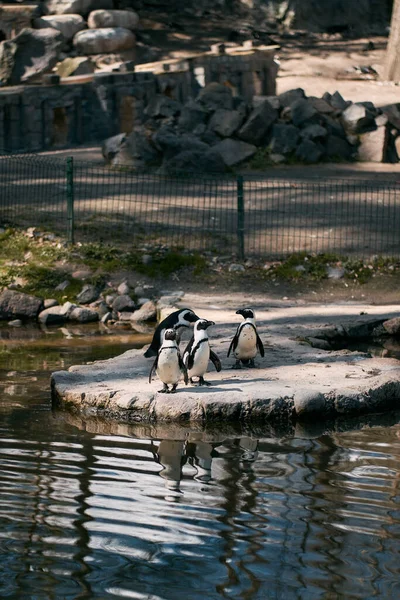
[237, 365]
[173, 389]
[252, 364]
[165, 390]
[202, 381]
[192, 381]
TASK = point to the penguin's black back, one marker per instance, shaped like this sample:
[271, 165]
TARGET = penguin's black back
[168, 323]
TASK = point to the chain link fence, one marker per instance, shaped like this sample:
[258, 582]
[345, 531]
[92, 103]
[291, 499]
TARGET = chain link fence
[241, 214]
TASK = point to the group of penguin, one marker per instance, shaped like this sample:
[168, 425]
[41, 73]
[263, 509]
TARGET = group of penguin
[170, 365]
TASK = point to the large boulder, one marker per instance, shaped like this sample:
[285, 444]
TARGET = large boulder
[287, 98]
[16, 305]
[357, 118]
[234, 152]
[161, 106]
[195, 161]
[30, 54]
[136, 151]
[226, 122]
[338, 148]
[80, 7]
[309, 152]
[76, 65]
[374, 145]
[215, 95]
[112, 146]
[258, 123]
[104, 41]
[303, 112]
[170, 143]
[192, 115]
[284, 138]
[113, 18]
[68, 25]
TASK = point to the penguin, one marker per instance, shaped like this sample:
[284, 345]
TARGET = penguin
[198, 353]
[246, 341]
[169, 364]
[176, 320]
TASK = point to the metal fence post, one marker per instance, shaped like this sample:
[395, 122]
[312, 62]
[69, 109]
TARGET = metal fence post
[240, 216]
[70, 199]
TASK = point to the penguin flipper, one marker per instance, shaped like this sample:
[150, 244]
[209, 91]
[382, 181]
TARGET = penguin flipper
[234, 342]
[187, 355]
[260, 345]
[215, 361]
[153, 368]
[150, 352]
[183, 369]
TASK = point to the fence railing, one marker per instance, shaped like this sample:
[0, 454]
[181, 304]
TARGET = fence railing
[246, 215]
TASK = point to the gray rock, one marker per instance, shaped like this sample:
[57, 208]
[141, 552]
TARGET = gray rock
[170, 143]
[309, 152]
[55, 314]
[192, 115]
[303, 112]
[89, 294]
[392, 326]
[163, 106]
[139, 291]
[277, 159]
[337, 147]
[273, 100]
[106, 317]
[287, 98]
[308, 403]
[333, 126]
[392, 112]
[83, 315]
[113, 18]
[258, 124]
[319, 343]
[67, 25]
[226, 122]
[236, 268]
[314, 132]
[357, 119]
[123, 303]
[112, 146]
[234, 152]
[75, 65]
[80, 7]
[214, 96]
[321, 105]
[104, 41]
[100, 307]
[15, 323]
[123, 289]
[16, 64]
[284, 138]
[335, 272]
[147, 312]
[62, 286]
[196, 161]
[19, 306]
[147, 259]
[49, 302]
[110, 299]
[338, 102]
[125, 316]
[374, 145]
[135, 150]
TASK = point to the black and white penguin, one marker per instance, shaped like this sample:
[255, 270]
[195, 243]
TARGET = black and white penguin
[246, 341]
[169, 364]
[177, 320]
[198, 353]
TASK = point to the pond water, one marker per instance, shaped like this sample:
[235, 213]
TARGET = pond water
[92, 510]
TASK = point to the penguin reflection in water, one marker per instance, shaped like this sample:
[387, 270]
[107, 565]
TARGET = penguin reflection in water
[198, 353]
[246, 342]
[169, 364]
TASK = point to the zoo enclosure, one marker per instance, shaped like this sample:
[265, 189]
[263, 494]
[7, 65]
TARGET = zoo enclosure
[245, 215]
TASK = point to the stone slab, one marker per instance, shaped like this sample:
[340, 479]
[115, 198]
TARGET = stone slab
[344, 383]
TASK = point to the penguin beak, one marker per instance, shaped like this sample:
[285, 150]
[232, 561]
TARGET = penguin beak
[239, 312]
[209, 323]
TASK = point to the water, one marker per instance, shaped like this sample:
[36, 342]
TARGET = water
[96, 510]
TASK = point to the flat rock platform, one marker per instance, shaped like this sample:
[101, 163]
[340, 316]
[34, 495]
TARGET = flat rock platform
[293, 381]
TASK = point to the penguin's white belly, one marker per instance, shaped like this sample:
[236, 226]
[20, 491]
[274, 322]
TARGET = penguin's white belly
[168, 366]
[201, 359]
[247, 343]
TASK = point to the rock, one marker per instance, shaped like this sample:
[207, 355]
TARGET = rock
[374, 145]
[16, 64]
[392, 112]
[236, 268]
[287, 98]
[106, 317]
[80, 7]
[147, 312]
[319, 343]
[123, 289]
[273, 100]
[81, 274]
[196, 161]
[314, 132]
[135, 150]
[100, 307]
[335, 272]
[337, 101]
[15, 323]
[19, 305]
[67, 25]
[277, 159]
[147, 259]
[83, 315]
[337, 147]
[234, 152]
[381, 120]
[333, 126]
[89, 294]
[55, 314]
[50, 302]
[357, 119]
[303, 112]
[111, 147]
[104, 41]
[170, 143]
[162, 106]
[258, 124]
[214, 96]
[308, 403]
[139, 291]
[192, 115]
[113, 18]
[321, 105]
[77, 65]
[123, 303]
[392, 326]
[110, 299]
[62, 286]
[309, 152]
[226, 122]
[284, 138]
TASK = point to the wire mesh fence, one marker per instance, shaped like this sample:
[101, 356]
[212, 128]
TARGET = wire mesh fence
[244, 215]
